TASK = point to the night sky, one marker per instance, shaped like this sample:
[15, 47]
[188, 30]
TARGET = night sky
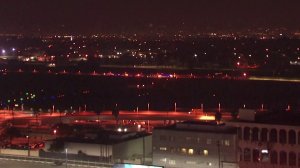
[96, 16]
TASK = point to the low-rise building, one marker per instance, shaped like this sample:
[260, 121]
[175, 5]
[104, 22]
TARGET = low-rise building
[195, 144]
[113, 147]
[271, 140]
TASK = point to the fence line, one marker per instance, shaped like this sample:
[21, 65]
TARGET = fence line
[53, 160]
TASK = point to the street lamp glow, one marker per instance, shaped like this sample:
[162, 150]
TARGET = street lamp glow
[148, 106]
[66, 157]
[28, 145]
[3, 51]
[207, 118]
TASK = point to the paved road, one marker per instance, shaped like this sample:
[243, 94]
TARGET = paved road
[25, 164]
[31, 164]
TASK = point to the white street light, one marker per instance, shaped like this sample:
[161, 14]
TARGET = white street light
[66, 157]
[148, 106]
[28, 145]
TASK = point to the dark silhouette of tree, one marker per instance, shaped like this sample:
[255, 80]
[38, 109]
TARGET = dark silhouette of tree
[81, 154]
[58, 145]
[11, 107]
[234, 113]
[115, 113]
[36, 113]
[98, 109]
[218, 116]
[12, 132]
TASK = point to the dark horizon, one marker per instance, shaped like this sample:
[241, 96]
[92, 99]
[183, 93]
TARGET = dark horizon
[142, 16]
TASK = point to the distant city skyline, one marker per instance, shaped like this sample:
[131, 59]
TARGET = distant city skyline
[143, 16]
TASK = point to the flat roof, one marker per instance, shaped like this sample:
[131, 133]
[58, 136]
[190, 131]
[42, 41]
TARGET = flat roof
[200, 126]
[288, 118]
[104, 138]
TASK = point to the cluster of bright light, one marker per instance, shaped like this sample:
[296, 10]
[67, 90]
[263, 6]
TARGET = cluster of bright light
[27, 95]
[122, 130]
[3, 51]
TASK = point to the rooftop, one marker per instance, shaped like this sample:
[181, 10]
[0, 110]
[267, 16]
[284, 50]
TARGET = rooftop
[200, 126]
[107, 137]
[277, 117]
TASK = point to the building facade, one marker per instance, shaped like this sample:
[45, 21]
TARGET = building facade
[195, 144]
[268, 145]
[119, 149]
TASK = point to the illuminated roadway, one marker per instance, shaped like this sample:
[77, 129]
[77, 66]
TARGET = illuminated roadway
[222, 75]
[56, 117]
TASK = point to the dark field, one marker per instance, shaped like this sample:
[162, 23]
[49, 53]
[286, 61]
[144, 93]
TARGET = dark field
[71, 91]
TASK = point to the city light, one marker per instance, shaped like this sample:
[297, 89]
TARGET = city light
[76, 84]
[207, 118]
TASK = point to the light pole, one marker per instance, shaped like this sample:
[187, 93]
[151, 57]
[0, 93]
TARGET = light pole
[28, 145]
[148, 106]
[288, 108]
[175, 107]
[219, 154]
[66, 157]
[13, 116]
[60, 118]
[54, 132]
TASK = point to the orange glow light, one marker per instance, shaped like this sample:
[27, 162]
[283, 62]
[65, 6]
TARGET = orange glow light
[210, 118]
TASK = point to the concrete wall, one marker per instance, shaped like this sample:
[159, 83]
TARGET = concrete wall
[134, 150]
[89, 149]
[131, 150]
[16, 152]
